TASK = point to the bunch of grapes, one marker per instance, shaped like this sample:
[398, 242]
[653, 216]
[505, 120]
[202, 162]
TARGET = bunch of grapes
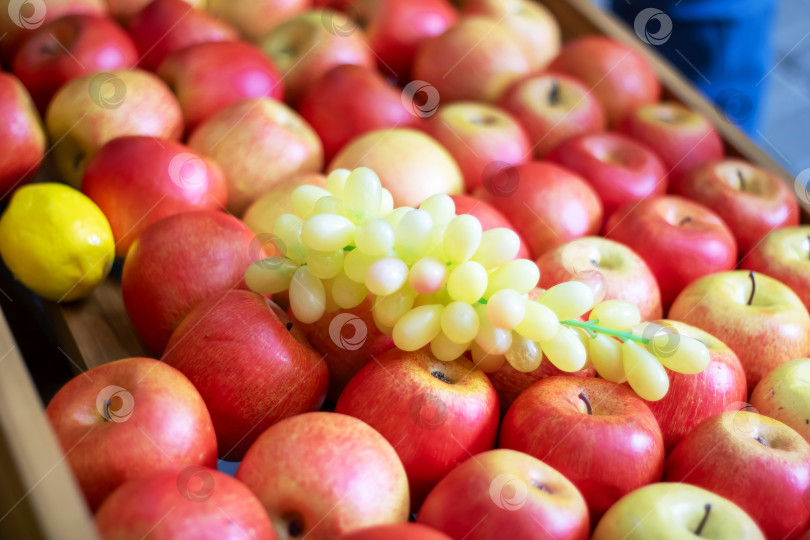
[437, 279]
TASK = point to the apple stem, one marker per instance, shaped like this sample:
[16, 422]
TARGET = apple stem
[585, 399]
[703, 521]
[554, 96]
[753, 287]
[684, 221]
[593, 328]
[742, 179]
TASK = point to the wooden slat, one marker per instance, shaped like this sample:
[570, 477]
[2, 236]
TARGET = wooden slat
[39, 497]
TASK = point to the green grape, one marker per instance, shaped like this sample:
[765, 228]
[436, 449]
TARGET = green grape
[688, 356]
[461, 238]
[445, 349]
[606, 356]
[307, 296]
[387, 330]
[488, 363]
[427, 275]
[325, 264]
[520, 274]
[439, 297]
[394, 217]
[288, 229]
[413, 235]
[460, 322]
[328, 205]
[348, 293]
[385, 276]
[374, 237]
[305, 197]
[327, 232]
[568, 300]
[646, 375]
[506, 309]
[270, 276]
[491, 340]
[362, 195]
[498, 246]
[435, 245]
[524, 355]
[389, 308]
[616, 314]
[331, 305]
[418, 327]
[440, 207]
[356, 264]
[565, 350]
[539, 323]
[336, 180]
[386, 202]
[467, 282]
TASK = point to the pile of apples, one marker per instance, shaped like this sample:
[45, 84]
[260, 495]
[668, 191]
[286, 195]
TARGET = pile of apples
[191, 125]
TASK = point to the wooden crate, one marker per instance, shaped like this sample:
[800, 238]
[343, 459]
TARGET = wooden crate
[36, 480]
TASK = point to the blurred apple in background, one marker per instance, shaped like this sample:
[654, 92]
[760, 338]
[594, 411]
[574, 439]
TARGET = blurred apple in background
[618, 168]
[784, 254]
[671, 511]
[67, 48]
[475, 60]
[620, 77]
[272, 144]
[93, 109]
[250, 369]
[549, 205]
[109, 420]
[506, 494]
[255, 18]
[552, 107]
[434, 413]
[308, 45]
[165, 26]
[208, 77]
[784, 394]
[751, 200]
[322, 475]
[139, 180]
[682, 138]
[411, 165]
[349, 100]
[22, 135]
[191, 502]
[692, 398]
[397, 531]
[477, 134]
[124, 10]
[759, 318]
[611, 268]
[177, 263]
[601, 436]
[680, 240]
[490, 218]
[754, 461]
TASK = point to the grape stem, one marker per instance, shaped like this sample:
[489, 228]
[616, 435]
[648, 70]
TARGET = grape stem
[593, 328]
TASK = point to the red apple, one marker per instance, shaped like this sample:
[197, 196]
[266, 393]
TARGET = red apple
[250, 369]
[434, 413]
[269, 133]
[553, 108]
[506, 494]
[178, 262]
[601, 436]
[349, 100]
[322, 475]
[782, 394]
[754, 461]
[308, 45]
[611, 268]
[682, 138]
[619, 76]
[476, 59]
[125, 419]
[784, 254]
[490, 218]
[397, 531]
[208, 77]
[22, 136]
[192, 502]
[137, 181]
[692, 398]
[67, 48]
[91, 110]
[751, 200]
[759, 318]
[255, 18]
[165, 26]
[411, 165]
[477, 134]
[618, 168]
[124, 10]
[680, 240]
[548, 205]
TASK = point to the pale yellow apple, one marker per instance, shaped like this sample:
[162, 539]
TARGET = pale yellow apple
[255, 18]
[784, 394]
[261, 216]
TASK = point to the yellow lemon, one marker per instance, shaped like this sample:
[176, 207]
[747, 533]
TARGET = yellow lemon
[56, 241]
